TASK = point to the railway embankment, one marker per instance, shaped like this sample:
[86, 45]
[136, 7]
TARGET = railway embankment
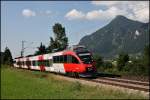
[26, 84]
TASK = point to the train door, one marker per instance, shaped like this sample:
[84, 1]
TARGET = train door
[58, 64]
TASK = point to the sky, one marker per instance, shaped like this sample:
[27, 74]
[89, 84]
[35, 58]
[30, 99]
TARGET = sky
[32, 21]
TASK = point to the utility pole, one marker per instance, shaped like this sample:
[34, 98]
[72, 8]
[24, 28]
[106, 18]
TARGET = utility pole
[22, 50]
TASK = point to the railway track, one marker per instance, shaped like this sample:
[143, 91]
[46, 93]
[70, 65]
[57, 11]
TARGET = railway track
[136, 85]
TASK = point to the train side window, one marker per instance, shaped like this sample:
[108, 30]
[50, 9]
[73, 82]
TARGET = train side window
[34, 63]
[19, 63]
[75, 60]
[40, 62]
[69, 59]
[65, 58]
[23, 63]
[28, 63]
[56, 59]
[61, 59]
[72, 59]
[46, 63]
[50, 62]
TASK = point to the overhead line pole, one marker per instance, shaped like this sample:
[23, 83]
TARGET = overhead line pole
[22, 50]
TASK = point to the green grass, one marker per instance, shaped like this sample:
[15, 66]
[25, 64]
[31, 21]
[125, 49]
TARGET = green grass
[22, 84]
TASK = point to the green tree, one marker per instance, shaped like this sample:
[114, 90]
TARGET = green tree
[60, 41]
[145, 60]
[2, 57]
[122, 60]
[98, 61]
[7, 59]
[41, 50]
[146, 55]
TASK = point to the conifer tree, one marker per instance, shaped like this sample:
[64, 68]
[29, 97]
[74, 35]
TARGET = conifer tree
[41, 50]
[8, 60]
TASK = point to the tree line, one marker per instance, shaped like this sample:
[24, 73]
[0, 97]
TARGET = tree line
[125, 64]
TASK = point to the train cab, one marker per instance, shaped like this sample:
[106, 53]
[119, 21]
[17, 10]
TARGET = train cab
[86, 59]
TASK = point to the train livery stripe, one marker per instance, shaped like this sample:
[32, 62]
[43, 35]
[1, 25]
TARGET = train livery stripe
[41, 58]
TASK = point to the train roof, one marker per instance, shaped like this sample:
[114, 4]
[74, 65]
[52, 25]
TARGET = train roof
[18, 57]
[73, 48]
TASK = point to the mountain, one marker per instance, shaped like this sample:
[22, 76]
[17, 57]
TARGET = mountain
[120, 35]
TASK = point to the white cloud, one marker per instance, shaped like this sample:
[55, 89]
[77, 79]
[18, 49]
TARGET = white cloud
[28, 13]
[31, 13]
[136, 10]
[75, 14]
[105, 14]
[140, 10]
[95, 14]
[106, 3]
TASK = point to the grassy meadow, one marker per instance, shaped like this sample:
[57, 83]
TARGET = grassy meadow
[22, 84]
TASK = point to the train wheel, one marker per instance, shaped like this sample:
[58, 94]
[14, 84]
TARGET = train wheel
[28, 68]
[68, 74]
[75, 75]
[72, 74]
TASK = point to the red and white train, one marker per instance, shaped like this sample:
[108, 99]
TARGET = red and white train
[76, 60]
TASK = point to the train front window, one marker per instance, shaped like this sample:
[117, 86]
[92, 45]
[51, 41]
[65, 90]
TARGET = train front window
[87, 59]
[80, 50]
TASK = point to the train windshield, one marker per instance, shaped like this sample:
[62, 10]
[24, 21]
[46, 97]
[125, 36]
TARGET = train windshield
[80, 50]
[86, 58]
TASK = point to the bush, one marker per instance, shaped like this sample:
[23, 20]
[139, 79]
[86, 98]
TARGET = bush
[136, 68]
[122, 60]
[107, 65]
[98, 62]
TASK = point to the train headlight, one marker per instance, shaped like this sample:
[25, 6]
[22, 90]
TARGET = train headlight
[89, 69]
